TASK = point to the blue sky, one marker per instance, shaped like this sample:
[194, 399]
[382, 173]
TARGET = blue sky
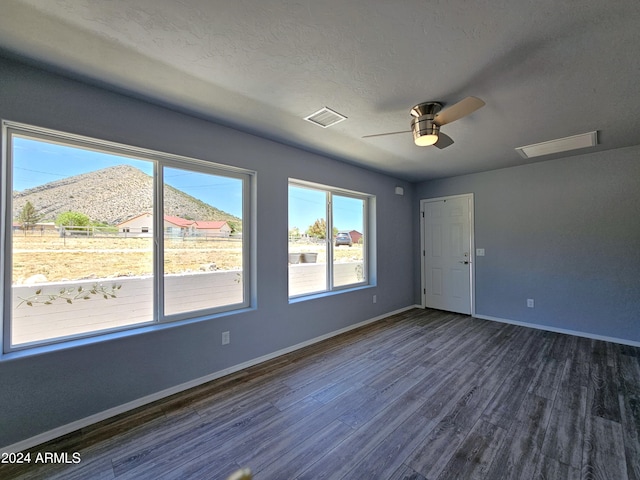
[36, 163]
[307, 205]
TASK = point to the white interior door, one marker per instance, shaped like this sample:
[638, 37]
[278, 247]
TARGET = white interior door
[447, 229]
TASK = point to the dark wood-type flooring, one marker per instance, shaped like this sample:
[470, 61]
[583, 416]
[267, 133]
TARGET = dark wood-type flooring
[420, 395]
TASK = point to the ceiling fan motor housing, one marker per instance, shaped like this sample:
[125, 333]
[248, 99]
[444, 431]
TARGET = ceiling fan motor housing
[425, 131]
[421, 126]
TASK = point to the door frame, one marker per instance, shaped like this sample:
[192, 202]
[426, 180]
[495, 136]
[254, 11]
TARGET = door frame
[472, 256]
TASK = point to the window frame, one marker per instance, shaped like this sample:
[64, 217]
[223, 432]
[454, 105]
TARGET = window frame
[368, 236]
[159, 161]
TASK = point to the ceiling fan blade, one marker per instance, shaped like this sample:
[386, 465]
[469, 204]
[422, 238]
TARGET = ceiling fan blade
[458, 110]
[383, 134]
[444, 141]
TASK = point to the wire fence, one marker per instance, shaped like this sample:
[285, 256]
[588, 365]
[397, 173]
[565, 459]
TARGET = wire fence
[113, 232]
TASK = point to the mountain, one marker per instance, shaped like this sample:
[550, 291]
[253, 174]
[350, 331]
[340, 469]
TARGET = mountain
[112, 195]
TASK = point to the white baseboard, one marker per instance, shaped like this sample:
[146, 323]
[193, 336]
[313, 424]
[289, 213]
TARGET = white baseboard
[98, 417]
[547, 328]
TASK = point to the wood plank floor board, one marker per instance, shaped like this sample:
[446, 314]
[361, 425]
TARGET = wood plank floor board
[417, 340]
[444, 390]
[102, 432]
[546, 379]
[550, 369]
[293, 462]
[97, 456]
[629, 401]
[465, 333]
[188, 445]
[207, 466]
[445, 440]
[334, 390]
[209, 392]
[455, 418]
[551, 469]
[561, 344]
[518, 455]
[564, 440]
[320, 386]
[154, 433]
[379, 400]
[340, 459]
[476, 453]
[603, 391]
[507, 399]
[265, 443]
[241, 399]
[630, 408]
[629, 375]
[96, 471]
[260, 445]
[420, 395]
[405, 473]
[602, 459]
[401, 336]
[388, 455]
[443, 338]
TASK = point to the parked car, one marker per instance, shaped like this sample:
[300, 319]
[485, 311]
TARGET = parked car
[343, 238]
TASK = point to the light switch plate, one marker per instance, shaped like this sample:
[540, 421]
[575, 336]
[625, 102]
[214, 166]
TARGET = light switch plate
[479, 252]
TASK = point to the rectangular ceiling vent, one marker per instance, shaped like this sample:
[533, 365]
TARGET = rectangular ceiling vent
[574, 142]
[325, 117]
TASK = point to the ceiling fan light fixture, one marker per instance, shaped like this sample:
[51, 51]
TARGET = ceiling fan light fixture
[425, 132]
[425, 140]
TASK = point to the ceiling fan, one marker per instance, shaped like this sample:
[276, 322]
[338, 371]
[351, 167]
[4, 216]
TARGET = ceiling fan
[428, 118]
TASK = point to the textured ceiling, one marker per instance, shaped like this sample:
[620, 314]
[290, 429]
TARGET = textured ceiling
[545, 68]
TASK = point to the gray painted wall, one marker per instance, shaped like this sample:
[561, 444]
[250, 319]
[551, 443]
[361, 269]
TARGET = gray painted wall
[58, 386]
[565, 233]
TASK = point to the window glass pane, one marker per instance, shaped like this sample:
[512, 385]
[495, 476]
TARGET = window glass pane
[307, 240]
[203, 254]
[80, 261]
[348, 241]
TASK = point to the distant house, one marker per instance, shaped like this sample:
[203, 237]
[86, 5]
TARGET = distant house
[179, 226]
[143, 224]
[217, 228]
[138, 225]
[356, 236]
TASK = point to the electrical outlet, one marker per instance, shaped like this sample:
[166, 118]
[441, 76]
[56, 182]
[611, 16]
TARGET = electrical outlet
[226, 338]
[375, 299]
[530, 302]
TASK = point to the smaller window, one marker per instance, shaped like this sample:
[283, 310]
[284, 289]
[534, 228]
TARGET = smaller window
[328, 239]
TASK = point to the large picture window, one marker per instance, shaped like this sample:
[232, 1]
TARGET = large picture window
[99, 237]
[328, 239]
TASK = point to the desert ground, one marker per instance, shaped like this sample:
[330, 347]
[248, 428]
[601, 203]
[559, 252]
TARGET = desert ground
[73, 258]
